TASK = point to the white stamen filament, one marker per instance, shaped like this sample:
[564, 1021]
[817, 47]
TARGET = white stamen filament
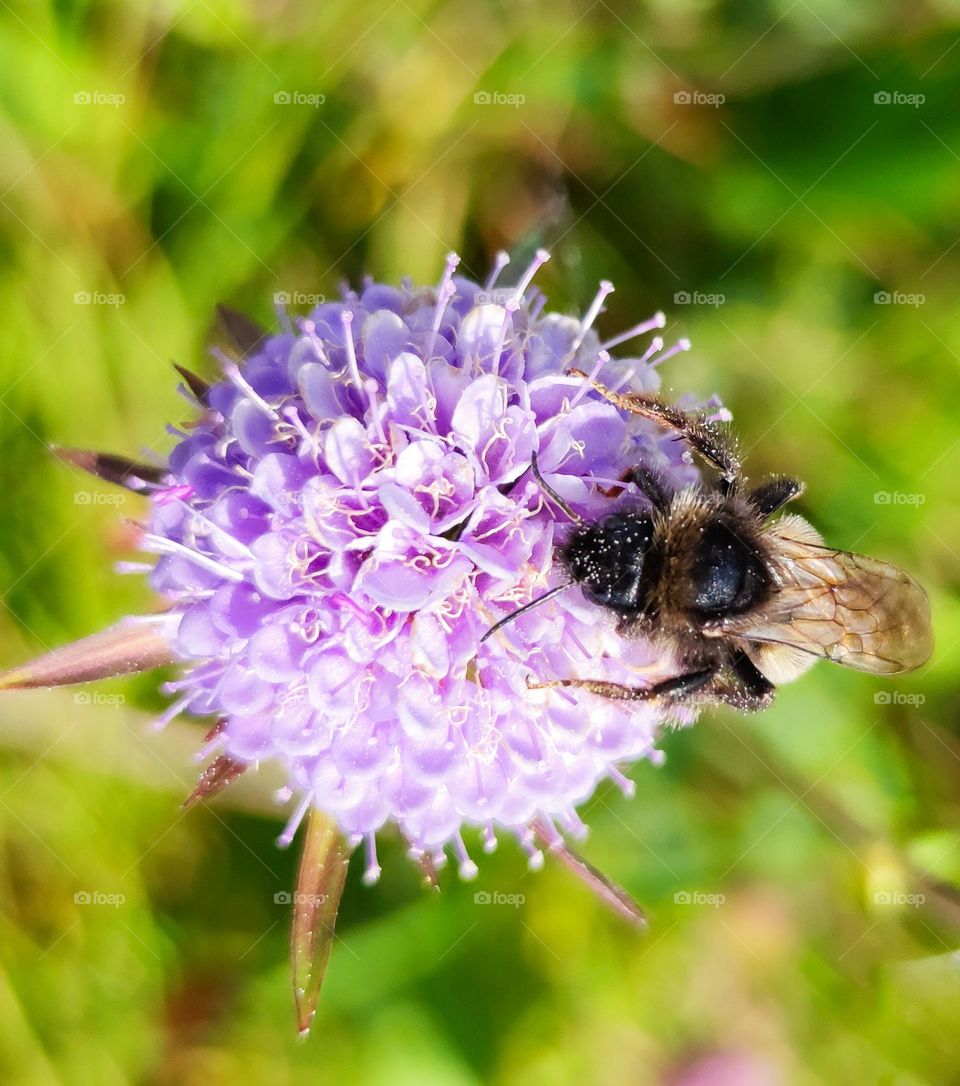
[346, 319]
[292, 415]
[500, 261]
[232, 546]
[290, 830]
[534, 855]
[602, 359]
[626, 786]
[372, 871]
[310, 331]
[370, 386]
[511, 306]
[574, 825]
[680, 345]
[540, 258]
[173, 712]
[468, 869]
[445, 291]
[232, 371]
[133, 567]
[658, 320]
[656, 345]
[158, 545]
[606, 287]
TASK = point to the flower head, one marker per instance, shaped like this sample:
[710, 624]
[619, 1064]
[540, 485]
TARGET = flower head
[353, 511]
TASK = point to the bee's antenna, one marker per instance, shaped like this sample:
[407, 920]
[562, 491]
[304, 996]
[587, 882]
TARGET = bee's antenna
[526, 607]
[535, 468]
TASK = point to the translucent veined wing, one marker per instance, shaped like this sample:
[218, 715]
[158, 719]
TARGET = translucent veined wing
[857, 611]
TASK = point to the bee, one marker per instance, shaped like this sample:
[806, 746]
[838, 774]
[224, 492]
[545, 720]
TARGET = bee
[744, 600]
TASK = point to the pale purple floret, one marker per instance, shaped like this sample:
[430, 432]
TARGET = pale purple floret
[352, 513]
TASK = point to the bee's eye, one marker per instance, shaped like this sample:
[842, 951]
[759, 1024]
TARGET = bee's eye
[727, 576]
[607, 560]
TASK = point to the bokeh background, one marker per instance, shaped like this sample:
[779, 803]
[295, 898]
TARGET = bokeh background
[783, 178]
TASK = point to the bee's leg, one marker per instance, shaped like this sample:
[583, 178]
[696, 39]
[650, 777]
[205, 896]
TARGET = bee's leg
[677, 688]
[752, 691]
[651, 483]
[548, 489]
[768, 497]
[711, 443]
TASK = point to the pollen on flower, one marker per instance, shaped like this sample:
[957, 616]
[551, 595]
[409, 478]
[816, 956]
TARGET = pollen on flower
[356, 507]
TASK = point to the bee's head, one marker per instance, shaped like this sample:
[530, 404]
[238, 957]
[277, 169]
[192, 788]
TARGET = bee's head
[727, 576]
[606, 559]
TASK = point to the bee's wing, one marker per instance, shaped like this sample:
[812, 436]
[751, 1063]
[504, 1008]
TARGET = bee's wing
[854, 610]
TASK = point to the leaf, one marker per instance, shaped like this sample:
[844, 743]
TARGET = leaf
[614, 897]
[429, 869]
[199, 386]
[112, 468]
[220, 773]
[323, 870]
[241, 333]
[129, 646]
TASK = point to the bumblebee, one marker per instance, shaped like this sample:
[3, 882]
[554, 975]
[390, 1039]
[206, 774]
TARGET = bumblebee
[745, 600]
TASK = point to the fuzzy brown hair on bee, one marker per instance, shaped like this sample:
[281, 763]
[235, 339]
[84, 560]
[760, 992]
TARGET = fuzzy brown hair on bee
[743, 602]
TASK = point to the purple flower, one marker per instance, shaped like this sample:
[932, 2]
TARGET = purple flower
[353, 510]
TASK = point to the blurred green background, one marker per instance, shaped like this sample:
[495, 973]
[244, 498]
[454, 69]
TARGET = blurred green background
[784, 180]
